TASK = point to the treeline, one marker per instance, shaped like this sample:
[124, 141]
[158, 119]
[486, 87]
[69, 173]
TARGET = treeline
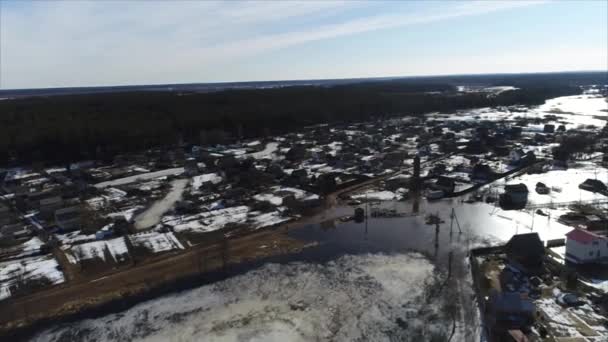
[74, 127]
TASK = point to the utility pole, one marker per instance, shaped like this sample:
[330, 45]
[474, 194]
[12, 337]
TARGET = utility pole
[452, 219]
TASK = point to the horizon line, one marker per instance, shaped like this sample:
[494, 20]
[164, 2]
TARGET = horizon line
[301, 80]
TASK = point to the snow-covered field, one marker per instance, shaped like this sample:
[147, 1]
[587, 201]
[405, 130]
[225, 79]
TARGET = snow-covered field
[373, 297]
[156, 242]
[116, 248]
[267, 152]
[277, 194]
[199, 180]
[383, 195]
[141, 177]
[217, 219]
[28, 269]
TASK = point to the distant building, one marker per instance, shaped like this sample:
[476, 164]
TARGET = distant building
[583, 246]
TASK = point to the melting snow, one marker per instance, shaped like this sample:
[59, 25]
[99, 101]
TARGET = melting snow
[351, 298]
[13, 272]
[97, 249]
[156, 242]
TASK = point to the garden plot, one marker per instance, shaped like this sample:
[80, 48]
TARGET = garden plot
[572, 322]
[277, 193]
[223, 218]
[198, 181]
[156, 242]
[73, 238]
[378, 195]
[115, 249]
[28, 273]
[29, 248]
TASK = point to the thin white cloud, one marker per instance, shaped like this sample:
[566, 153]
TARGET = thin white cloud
[266, 43]
[76, 43]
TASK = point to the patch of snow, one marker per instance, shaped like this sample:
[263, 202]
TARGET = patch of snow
[353, 298]
[97, 249]
[141, 177]
[377, 195]
[156, 242]
[18, 271]
[197, 181]
[208, 221]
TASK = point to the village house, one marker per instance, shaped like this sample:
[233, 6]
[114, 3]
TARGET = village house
[482, 172]
[445, 184]
[583, 246]
[549, 128]
[526, 252]
[515, 195]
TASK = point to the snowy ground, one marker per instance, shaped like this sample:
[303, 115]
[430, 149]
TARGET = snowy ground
[199, 180]
[277, 193]
[28, 269]
[383, 195]
[218, 219]
[116, 248]
[267, 152]
[572, 322]
[29, 248]
[156, 242]
[373, 297]
[141, 177]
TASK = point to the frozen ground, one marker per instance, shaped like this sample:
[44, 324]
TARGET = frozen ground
[373, 297]
[156, 242]
[116, 248]
[199, 180]
[267, 152]
[24, 270]
[217, 219]
[141, 177]
[373, 195]
[277, 194]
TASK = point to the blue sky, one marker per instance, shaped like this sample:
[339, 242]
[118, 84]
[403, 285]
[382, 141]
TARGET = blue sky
[88, 43]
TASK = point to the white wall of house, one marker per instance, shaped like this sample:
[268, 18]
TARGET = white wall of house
[578, 252]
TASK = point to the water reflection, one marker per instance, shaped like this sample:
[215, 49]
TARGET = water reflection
[463, 225]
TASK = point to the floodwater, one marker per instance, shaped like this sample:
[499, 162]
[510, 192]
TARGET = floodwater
[152, 215]
[365, 281]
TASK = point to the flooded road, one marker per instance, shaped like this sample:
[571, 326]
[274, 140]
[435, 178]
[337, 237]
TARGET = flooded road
[152, 215]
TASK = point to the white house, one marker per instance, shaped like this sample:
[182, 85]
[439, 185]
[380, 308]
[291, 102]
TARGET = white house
[583, 246]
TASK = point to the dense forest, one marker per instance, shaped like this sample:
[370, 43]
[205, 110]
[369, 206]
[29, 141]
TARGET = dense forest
[73, 127]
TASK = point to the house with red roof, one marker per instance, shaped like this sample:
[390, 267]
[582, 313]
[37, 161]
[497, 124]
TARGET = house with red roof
[583, 246]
